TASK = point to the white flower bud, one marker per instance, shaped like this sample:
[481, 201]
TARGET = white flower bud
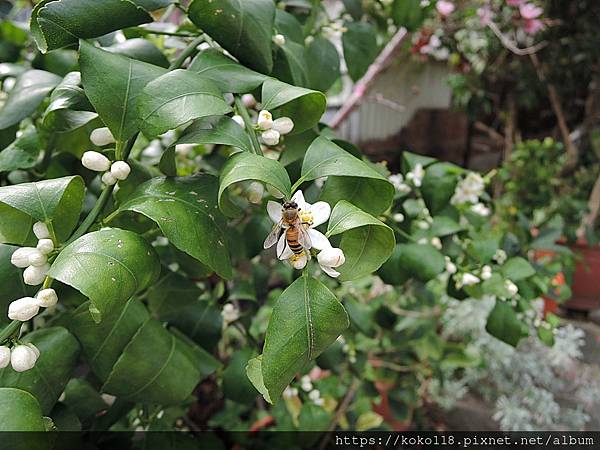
[35, 275]
[35, 350]
[239, 120]
[283, 125]
[248, 100]
[436, 242]
[450, 266]
[184, 149]
[120, 170]
[486, 272]
[102, 137]
[469, 279]
[265, 120]
[230, 313]
[47, 298]
[270, 137]
[511, 287]
[331, 257]
[398, 217]
[95, 161]
[279, 39]
[40, 229]
[109, 179]
[37, 258]
[314, 394]
[4, 356]
[45, 246]
[20, 258]
[23, 309]
[255, 192]
[23, 358]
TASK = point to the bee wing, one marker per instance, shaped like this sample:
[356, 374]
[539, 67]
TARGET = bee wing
[304, 238]
[273, 235]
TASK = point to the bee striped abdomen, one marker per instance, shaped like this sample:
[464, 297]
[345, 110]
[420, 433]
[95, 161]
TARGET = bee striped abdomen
[291, 236]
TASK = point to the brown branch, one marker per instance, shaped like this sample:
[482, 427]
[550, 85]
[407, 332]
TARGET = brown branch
[591, 217]
[510, 45]
[492, 133]
[345, 403]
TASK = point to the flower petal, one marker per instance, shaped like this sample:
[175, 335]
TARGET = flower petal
[298, 197]
[331, 272]
[319, 240]
[320, 212]
[283, 249]
[274, 210]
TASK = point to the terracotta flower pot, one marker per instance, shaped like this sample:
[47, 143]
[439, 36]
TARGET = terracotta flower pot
[586, 278]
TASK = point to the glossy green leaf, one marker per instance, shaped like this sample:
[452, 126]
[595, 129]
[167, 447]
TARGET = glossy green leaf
[304, 106]
[360, 48]
[28, 93]
[444, 226]
[243, 28]
[12, 286]
[290, 65]
[422, 261]
[28, 418]
[23, 153]
[408, 14]
[236, 386]
[114, 84]
[517, 268]
[108, 267]
[324, 62]
[227, 74]
[47, 380]
[216, 130]
[176, 98]
[186, 211]
[306, 319]
[254, 374]
[366, 241]
[287, 25]
[438, 186]
[354, 8]
[503, 324]
[362, 192]
[57, 201]
[141, 50]
[393, 271]
[83, 399]
[248, 166]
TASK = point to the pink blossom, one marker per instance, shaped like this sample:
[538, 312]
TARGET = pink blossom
[530, 11]
[485, 15]
[515, 3]
[532, 26]
[444, 7]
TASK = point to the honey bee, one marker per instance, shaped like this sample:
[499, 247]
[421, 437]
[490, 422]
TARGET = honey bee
[296, 236]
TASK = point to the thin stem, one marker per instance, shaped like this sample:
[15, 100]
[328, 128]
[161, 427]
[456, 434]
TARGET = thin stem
[9, 330]
[187, 52]
[297, 184]
[93, 215]
[401, 232]
[163, 33]
[248, 123]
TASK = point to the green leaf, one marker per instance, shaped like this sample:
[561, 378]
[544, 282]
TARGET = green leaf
[304, 106]
[324, 62]
[216, 130]
[438, 185]
[114, 84]
[393, 271]
[140, 49]
[306, 319]
[517, 268]
[57, 24]
[28, 418]
[363, 185]
[288, 25]
[28, 93]
[83, 399]
[247, 166]
[254, 374]
[290, 65]
[366, 241]
[12, 286]
[227, 74]
[502, 323]
[186, 211]
[408, 14]
[176, 98]
[243, 28]
[313, 418]
[47, 380]
[354, 8]
[422, 261]
[236, 386]
[23, 153]
[57, 201]
[444, 226]
[108, 267]
[360, 48]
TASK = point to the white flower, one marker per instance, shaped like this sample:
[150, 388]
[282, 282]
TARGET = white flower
[47, 298]
[279, 39]
[45, 246]
[95, 161]
[37, 258]
[416, 175]
[469, 189]
[20, 257]
[248, 100]
[23, 357]
[330, 258]
[486, 272]
[230, 313]
[450, 266]
[40, 229]
[500, 256]
[23, 309]
[306, 383]
[511, 287]
[184, 149]
[239, 120]
[481, 210]
[265, 120]
[102, 137]
[109, 179]
[423, 225]
[255, 192]
[4, 356]
[468, 279]
[35, 275]
[270, 137]
[120, 170]
[283, 125]
[444, 7]
[314, 395]
[290, 392]
[398, 217]
[436, 242]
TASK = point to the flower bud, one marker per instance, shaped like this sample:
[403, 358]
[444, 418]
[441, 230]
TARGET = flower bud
[120, 170]
[184, 149]
[279, 39]
[47, 298]
[95, 161]
[239, 120]
[265, 120]
[255, 192]
[35, 275]
[270, 137]
[102, 137]
[40, 229]
[469, 279]
[248, 100]
[37, 258]
[4, 356]
[20, 258]
[486, 272]
[230, 313]
[23, 309]
[511, 287]
[331, 257]
[109, 179]
[23, 357]
[283, 125]
[45, 246]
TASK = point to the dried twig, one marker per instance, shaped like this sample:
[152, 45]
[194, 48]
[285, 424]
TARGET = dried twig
[510, 45]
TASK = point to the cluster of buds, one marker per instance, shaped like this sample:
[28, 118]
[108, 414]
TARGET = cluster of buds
[96, 161]
[272, 130]
[22, 357]
[26, 308]
[35, 259]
